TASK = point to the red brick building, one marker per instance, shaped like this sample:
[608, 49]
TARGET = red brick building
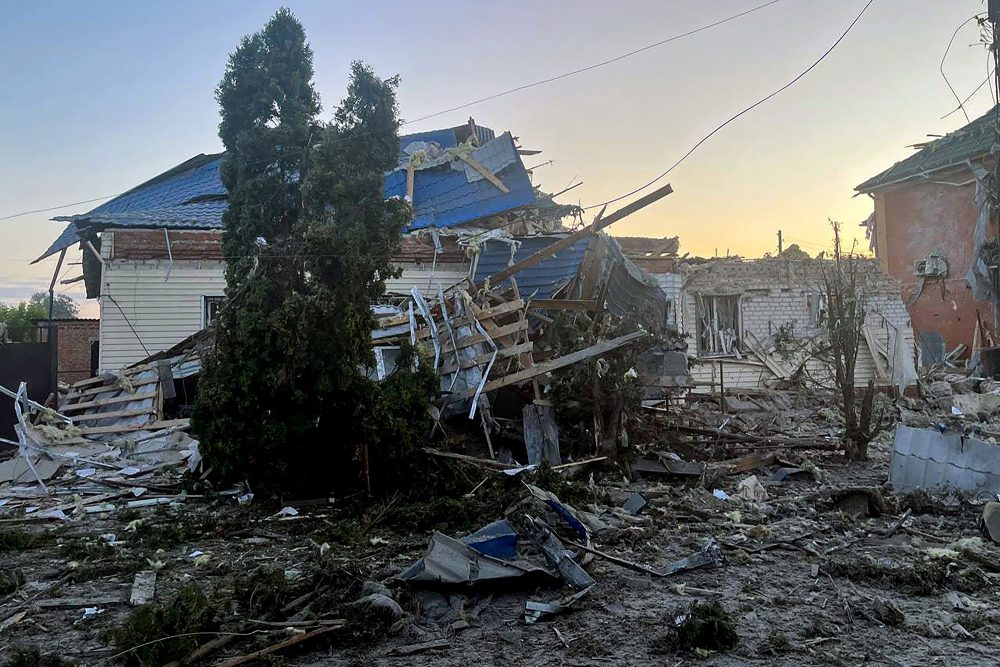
[923, 232]
[75, 346]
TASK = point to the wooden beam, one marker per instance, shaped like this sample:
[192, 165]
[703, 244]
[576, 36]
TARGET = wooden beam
[73, 394]
[564, 304]
[94, 416]
[127, 398]
[504, 308]
[484, 358]
[477, 338]
[153, 426]
[101, 378]
[409, 182]
[484, 172]
[598, 225]
[551, 365]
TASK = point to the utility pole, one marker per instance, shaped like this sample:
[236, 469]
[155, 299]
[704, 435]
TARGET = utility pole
[780, 247]
[993, 15]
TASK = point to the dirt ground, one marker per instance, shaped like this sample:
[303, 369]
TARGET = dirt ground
[819, 573]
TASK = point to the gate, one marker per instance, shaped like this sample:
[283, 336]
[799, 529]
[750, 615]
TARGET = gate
[31, 362]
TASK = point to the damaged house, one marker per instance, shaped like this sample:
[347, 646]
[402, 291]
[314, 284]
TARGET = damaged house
[485, 262]
[153, 255]
[756, 323]
[929, 231]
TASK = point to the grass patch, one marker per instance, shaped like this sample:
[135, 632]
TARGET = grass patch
[21, 539]
[707, 626]
[261, 592]
[775, 644]
[189, 612]
[927, 576]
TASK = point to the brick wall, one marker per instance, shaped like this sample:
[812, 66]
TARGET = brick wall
[152, 244]
[775, 293]
[75, 338]
[916, 220]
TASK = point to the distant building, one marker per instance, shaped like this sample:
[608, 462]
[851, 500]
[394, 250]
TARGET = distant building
[930, 220]
[76, 347]
[755, 323]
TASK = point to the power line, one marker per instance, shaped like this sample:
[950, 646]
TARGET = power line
[493, 96]
[744, 111]
[595, 65]
[944, 56]
[961, 105]
[54, 208]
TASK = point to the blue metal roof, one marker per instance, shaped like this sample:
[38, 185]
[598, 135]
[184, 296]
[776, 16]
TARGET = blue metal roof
[540, 281]
[191, 195]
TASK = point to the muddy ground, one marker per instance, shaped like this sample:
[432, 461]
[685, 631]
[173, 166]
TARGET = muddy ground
[812, 577]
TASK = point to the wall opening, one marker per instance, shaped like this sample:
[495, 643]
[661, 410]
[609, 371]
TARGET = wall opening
[718, 319]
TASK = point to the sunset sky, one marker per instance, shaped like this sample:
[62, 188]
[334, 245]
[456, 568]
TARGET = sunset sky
[100, 96]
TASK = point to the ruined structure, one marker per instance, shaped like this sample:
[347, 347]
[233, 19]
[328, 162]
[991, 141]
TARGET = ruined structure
[928, 230]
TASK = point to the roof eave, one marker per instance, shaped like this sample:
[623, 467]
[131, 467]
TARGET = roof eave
[875, 184]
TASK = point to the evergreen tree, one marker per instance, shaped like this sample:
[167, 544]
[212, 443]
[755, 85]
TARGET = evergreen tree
[283, 402]
[269, 108]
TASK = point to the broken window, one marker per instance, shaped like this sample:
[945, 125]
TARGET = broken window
[210, 307]
[818, 308]
[718, 324]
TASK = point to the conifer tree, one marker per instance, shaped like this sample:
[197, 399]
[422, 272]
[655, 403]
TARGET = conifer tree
[284, 401]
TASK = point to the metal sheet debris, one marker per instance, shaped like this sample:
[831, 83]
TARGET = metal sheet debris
[924, 458]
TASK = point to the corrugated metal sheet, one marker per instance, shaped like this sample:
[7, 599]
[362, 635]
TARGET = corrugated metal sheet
[924, 458]
[191, 195]
[631, 291]
[443, 196]
[541, 280]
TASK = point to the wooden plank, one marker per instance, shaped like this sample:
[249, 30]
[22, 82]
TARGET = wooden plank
[101, 378]
[69, 603]
[410, 173]
[477, 338]
[504, 340]
[754, 345]
[143, 587]
[564, 304]
[393, 321]
[94, 416]
[484, 172]
[564, 243]
[127, 398]
[502, 309]
[106, 389]
[153, 426]
[274, 648]
[551, 365]
[485, 358]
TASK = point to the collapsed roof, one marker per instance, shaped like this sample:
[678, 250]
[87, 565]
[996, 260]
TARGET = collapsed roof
[955, 150]
[457, 179]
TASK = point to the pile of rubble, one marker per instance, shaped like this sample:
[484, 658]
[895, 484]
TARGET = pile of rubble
[738, 531]
[108, 439]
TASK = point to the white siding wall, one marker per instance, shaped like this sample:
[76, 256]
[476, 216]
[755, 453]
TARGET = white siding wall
[671, 283]
[763, 310]
[420, 275]
[163, 311]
